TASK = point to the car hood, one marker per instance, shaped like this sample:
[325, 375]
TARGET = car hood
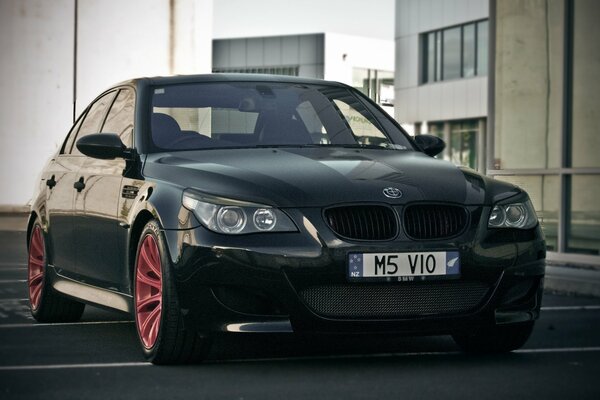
[319, 177]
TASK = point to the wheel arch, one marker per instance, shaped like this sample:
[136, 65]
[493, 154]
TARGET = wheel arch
[141, 219]
[32, 217]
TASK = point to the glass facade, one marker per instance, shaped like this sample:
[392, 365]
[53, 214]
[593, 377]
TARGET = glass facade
[482, 48]
[451, 54]
[376, 84]
[545, 139]
[583, 234]
[291, 70]
[469, 51]
[544, 191]
[454, 53]
[463, 143]
[462, 140]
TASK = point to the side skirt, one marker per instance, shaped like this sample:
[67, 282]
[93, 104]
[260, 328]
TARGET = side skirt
[91, 294]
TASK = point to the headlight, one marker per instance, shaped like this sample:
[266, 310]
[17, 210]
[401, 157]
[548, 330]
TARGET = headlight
[515, 215]
[236, 217]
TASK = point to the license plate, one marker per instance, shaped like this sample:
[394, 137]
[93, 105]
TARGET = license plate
[407, 266]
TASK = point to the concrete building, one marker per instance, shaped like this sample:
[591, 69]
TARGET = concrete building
[364, 63]
[441, 74]
[57, 56]
[545, 119]
[532, 69]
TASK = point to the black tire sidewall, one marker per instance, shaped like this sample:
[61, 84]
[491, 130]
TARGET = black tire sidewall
[45, 280]
[152, 228]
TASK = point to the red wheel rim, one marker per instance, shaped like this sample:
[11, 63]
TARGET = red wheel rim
[148, 291]
[35, 267]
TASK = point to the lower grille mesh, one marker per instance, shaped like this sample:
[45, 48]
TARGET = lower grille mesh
[372, 301]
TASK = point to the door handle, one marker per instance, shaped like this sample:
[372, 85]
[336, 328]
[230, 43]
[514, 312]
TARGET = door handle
[51, 182]
[79, 185]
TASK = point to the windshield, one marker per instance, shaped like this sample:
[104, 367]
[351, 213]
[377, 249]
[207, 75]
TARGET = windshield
[266, 114]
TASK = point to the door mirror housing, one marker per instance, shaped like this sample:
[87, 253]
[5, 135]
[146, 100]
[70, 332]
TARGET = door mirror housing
[105, 146]
[430, 145]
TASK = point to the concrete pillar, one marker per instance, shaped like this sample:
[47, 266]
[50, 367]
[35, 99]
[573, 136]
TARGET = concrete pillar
[481, 145]
[447, 138]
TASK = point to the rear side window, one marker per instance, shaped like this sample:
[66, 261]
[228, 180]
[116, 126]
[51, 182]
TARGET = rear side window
[94, 118]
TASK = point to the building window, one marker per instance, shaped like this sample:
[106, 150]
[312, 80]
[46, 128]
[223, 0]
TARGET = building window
[454, 53]
[463, 143]
[291, 70]
[377, 85]
[462, 140]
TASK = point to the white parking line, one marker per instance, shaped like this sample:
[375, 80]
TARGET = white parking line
[572, 308]
[13, 280]
[68, 366]
[33, 324]
[559, 350]
[349, 356]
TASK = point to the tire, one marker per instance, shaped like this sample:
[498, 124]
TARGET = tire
[158, 318]
[497, 339]
[46, 304]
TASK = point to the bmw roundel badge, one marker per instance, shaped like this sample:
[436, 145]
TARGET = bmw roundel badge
[392, 192]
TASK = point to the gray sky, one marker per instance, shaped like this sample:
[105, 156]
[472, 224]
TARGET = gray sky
[248, 18]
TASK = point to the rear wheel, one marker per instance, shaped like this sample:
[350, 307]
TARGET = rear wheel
[159, 322]
[46, 304]
[497, 339]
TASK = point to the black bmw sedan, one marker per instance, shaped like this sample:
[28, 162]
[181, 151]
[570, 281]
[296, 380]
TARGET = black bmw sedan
[255, 203]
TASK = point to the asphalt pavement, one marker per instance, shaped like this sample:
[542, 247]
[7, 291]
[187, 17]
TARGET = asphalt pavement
[99, 358]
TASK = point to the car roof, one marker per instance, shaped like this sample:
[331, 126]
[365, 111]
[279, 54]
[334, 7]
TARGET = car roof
[225, 77]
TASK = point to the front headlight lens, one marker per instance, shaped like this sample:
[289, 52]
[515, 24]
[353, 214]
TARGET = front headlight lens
[514, 215]
[231, 219]
[264, 219]
[235, 217]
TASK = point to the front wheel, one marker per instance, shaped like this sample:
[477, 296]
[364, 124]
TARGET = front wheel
[158, 318]
[496, 339]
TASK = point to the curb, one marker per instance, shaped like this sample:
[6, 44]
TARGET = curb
[570, 280]
[13, 209]
[15, 220]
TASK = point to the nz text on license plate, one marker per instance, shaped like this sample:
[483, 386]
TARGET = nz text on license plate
[404, 266]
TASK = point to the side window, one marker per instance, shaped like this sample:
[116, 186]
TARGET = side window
[66, 147]
[120, 117]
[94, 118]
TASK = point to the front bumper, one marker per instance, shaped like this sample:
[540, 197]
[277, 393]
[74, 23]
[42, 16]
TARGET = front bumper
[264, 282]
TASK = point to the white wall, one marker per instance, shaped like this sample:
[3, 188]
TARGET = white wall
[117, 40]
[36, 89]
[243, 18]
[360, 52]
[115, 44]
[446, 100]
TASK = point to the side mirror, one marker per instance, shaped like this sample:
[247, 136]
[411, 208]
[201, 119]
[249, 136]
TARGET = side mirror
[431, 145]
[105, 146]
